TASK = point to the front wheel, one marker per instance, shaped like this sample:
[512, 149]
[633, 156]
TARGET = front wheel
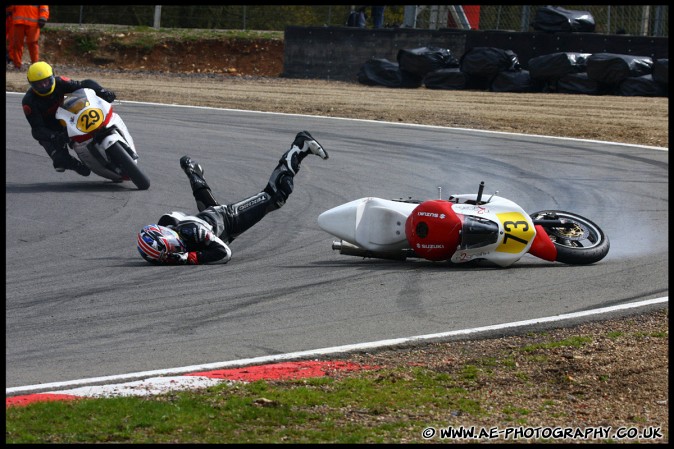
[579, 241]
[119, 156]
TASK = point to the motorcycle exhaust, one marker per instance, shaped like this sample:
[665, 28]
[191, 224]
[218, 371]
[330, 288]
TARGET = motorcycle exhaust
[348, 249]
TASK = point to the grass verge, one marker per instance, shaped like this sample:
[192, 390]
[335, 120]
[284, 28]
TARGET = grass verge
[566, 379]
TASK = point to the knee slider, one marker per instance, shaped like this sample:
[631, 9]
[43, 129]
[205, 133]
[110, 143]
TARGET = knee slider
[281, 181]
[285, 185]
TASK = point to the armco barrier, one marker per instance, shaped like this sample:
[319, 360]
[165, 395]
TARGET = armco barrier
[337, 53]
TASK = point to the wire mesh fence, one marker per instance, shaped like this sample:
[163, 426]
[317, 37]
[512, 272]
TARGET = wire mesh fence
[641, 20]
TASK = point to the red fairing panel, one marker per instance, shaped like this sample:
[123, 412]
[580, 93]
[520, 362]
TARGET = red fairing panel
[433, 230]
[542, 247]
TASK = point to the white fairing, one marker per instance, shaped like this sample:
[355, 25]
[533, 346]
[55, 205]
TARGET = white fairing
[371, 223]
[77, 117]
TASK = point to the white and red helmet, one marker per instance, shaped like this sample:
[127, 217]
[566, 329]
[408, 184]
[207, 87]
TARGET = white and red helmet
[155, 241]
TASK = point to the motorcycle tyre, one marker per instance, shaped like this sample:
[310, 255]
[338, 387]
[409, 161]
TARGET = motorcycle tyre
[574, 255]
[119, 156]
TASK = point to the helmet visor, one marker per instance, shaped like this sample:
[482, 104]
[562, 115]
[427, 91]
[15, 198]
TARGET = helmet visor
[44, 86]
[171, 241]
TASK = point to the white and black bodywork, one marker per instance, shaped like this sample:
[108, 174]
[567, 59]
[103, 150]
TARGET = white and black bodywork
[100, 138]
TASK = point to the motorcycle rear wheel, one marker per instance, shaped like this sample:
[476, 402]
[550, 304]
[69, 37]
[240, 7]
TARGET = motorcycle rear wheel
[582, 243]
[119, 156]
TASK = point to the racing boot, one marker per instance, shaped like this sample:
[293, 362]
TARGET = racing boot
[59, 156]
[63, 161]
[80, 168]
[280, 184]
[302, 146]
[200, 188]
[194, 171]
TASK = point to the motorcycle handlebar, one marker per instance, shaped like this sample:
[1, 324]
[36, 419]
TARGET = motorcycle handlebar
[479, 192]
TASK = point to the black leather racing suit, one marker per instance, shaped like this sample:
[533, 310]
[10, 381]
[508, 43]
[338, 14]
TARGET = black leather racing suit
[207, 233]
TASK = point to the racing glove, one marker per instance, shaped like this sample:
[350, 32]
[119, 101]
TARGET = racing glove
[180, 258]
[107, 95]
[174, 258]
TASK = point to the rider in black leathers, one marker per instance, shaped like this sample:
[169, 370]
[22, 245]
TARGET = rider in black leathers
[202, 238]
[40, 104]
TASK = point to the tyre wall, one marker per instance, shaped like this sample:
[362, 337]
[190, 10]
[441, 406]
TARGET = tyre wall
[338, 53]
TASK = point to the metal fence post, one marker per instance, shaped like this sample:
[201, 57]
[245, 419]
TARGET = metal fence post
[410, 16]
[645, 18]
[657, 25]
[157, 17]
[524, 26]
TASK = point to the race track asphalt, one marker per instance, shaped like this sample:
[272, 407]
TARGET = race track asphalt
[81, 303]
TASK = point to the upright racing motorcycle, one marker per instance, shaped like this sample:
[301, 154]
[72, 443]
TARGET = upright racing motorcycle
[100, 138]
[461, 229]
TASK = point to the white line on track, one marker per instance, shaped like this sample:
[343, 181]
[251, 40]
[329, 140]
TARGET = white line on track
[55, 386]
[382, 122]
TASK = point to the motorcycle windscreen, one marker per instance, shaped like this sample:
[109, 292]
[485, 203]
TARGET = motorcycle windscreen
[75, 103]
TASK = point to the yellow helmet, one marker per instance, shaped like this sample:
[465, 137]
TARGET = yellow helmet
[41, 78]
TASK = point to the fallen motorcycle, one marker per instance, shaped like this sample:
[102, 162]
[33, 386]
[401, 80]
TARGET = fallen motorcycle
[460, 229]
[100, 138]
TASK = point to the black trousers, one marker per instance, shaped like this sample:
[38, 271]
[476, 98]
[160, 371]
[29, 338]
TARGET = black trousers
[231, 220]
